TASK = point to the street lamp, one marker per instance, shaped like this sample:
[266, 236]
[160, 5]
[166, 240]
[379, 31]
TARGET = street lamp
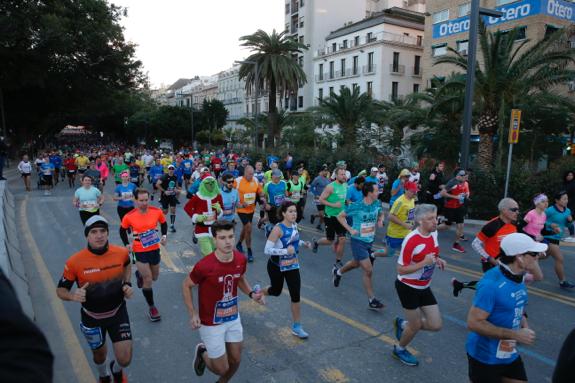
[257, 82]
[476, 11]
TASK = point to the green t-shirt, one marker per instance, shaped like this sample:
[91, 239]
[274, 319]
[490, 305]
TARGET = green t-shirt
[118, 169]
[338, 195]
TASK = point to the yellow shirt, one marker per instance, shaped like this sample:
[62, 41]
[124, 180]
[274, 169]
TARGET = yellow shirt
[403, 209]
[82, 162]
[166, 161]
[140, 163]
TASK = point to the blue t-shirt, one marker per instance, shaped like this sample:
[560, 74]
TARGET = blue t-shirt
[318, 185]
[126, 193]
[156, 172]
[231, 200]
[272, 159]
[193, 189]
[353, 194]
[555, 216]
[372, 179]
[187, 166]
[275, 192]
[364, 219]
[47, 168]
[56, 160]
[134, 173]
[235, 173]
[504, 300]
[395, 184]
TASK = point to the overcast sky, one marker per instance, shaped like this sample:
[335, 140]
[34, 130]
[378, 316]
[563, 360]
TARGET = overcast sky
[184, 38]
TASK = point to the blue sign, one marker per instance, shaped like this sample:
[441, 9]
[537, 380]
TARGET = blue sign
[515, 11]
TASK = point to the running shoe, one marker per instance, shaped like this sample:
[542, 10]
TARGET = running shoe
[199, 363]
[298, 331]
[250, 256]
[463, 238]
[457, 287]
[194, 240]
[172, 229]
[118, 376]
[375, 304]
[398, 327]
[336, 276]
[566, 285]
[312, 219]
[139, 280]
[457, 247]
[154, 314]
[338, 264]
[260, 224]
[315, 245]
[239, 247]
[319, 228]
[405, 357]
[105, 379]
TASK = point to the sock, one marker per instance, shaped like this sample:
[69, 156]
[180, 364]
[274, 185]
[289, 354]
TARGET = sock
[103, 368]
[172, 219]
[399, 348]
[117, 368]
[296, 324]
[338, 272]
[149, 295]
[470, 285]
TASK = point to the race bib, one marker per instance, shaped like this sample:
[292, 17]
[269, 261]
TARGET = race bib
[86, 205]
[250, 198]
[93, 336]
[149, 238]
[411, 215]
[506, 349]
[289, 262]
[134, 179]
[187, 165]
[427, 272]
[226, 311]
[126, 196]
[367, 230]
[279, 199]
[316, 200]
[210, 217]
[296, 196]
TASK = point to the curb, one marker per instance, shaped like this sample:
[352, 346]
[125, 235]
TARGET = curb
[10, 254]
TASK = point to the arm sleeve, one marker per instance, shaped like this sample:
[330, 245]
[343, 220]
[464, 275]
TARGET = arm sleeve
[164, 228]
[124, 236]
[479, 248]
[270, 249]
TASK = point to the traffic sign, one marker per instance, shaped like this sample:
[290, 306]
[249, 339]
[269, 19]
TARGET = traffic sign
[514, 126]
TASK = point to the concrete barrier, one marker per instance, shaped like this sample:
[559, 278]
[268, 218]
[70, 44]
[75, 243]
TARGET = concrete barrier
[10, 254]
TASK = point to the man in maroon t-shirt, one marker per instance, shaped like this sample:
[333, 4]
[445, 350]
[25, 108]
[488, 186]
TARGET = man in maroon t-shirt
[218, 277]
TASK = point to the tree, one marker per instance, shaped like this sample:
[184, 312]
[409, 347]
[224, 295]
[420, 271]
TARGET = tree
[510, 70]
[279, 73]
[214, 115]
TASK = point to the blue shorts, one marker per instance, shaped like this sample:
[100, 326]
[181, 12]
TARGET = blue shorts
[393, 244]
[360, 249]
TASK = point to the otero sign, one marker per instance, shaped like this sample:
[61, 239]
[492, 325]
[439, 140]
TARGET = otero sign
[515, 11]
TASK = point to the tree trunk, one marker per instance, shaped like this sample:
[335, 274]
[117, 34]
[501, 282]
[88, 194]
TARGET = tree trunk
[272, 114]
[485, 151]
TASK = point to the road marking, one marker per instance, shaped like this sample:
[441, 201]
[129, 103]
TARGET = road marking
[333, 375]
[78, 359]
[285, 336]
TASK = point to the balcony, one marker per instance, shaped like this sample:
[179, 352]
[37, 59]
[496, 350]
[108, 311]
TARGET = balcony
[294, 7]
[397, 69]
[369, 69]
[320, 77]
[416, 71]
[381, 37]
[294, 28]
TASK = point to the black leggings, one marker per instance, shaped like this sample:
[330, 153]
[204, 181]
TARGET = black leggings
[85, 215]
[291, 277]
[122, 211]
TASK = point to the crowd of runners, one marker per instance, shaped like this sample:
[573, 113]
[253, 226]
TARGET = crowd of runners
[220, 188]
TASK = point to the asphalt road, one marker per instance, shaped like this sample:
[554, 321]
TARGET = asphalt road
[347, 343]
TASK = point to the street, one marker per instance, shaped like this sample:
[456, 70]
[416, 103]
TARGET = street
[347, 343]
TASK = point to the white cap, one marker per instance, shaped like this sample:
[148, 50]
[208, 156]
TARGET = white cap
[374, 169]
[519, 243]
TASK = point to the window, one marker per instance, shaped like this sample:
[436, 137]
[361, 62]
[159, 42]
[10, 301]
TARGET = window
[287, 27]
[355, 86]
[320, 70]
[549, 29]
[331, 90]
[441, 16]
[394, 90]
[417, 65]
[333, 47]
[300, 102]
[344, 44]
[415, 88]
[463, 46]
[464, 9]
[301, 3]
[287, 9]
[439, 50]
[369, 38]
[301, 39]
[342, 67]
[355, 64]
[419, 40]
[331, 69]
[370, 88]
[356, 41]
[395, 62]
[521, 33]
[370, 62]
[320, 94]
[301, 22]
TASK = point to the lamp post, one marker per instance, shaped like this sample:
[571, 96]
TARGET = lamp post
[476, 11]
[257, 85]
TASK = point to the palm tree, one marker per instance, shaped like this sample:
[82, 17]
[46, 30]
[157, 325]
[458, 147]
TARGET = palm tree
[510, 70]
[349, 110]
[279, 72]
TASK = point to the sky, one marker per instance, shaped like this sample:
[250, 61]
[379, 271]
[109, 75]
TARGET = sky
[184, 38]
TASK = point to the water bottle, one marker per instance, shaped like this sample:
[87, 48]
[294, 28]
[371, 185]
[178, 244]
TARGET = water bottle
[461, 198]
[257, 288]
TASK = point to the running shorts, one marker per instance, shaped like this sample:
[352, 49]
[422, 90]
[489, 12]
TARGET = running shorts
[360, 249]
[216, 337]
[454, 215]
[152, 257]
[246, 217]
[169, 201]
[488, 373]
[412, 298]
[333, 228]
[95, 330]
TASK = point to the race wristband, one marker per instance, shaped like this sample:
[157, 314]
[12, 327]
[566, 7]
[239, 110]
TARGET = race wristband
[251, 293]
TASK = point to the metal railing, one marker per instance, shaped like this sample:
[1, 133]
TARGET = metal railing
[369, 69]
[381, 37]
[397, 69]
[416, 71]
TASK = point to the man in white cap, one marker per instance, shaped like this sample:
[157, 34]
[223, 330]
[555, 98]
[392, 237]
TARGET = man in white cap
[497, 319]
[168, 185]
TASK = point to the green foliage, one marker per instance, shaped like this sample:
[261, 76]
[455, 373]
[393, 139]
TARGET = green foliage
[171, 122]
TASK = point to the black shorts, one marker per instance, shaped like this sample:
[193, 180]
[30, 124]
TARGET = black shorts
[25, 175]
[333, 228]
[246, 217]
[118, 327]
[493, 373]
[187, 177]
[148, 168]
[320, 207]
[71, 173]
[454, 215]
[152, 257]
[81, 171]
[46, 180]
[169, 201]
[551, 241]
[412, 298]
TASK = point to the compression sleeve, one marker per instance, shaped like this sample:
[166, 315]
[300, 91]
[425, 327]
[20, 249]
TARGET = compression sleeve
[63, 282]
[270, 249]
[124, 236]
[478, 246]
[164, 228]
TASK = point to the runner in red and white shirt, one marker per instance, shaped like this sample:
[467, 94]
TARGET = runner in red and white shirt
[415, 266]
[218, 276]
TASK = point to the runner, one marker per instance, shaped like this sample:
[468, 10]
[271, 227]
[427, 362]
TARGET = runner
[118, 168]
[382, 180]
[104, 172]
[216, 163]
[82, 162]
[71, 169]
[230, 198]
[365, 214]
[205, 207]
[25, 169]
[102, 275]
[434, 186]
[355, 191]
[156, 173]
[56, 160]
[454, 195]
[497, 320]
[217, 277]
[333, 197]
[250, 191]
[268, 174]
[187, 170]
[401, 218]
[148, 159]
[295, 192]
[124, 194]
[88, 199]
[134, 170]
[143, 222]
[341, 165]
[231, 169]
[283, 246]
[275, 192]
[317, 187]
[168, 186]
[94, 173]
[397, 188]
[46, 175]
[415, 267]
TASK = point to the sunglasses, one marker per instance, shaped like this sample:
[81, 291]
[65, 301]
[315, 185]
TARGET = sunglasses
[514, 209]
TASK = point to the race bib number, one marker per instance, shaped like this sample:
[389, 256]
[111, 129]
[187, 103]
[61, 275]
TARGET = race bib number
[217, 166]
[134, 179]
[316, 200]
[149, 238]
[289, 262]
[296, 196]
[187, 165]
[427, 272]
[126, 196]
[86, 205]
[210, 217]
[279, 199]
[367, 230]
[506, 349]
[250, 198]
[411, 215]
[93, 336]
[226, 311]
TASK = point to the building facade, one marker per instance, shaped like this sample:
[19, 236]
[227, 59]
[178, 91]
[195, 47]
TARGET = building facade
[232, 93]
[448, 26]
[380, 55]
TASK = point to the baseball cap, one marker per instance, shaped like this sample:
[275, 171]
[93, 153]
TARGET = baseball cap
[340, 163]
[171, 167]
[519, 243]
[374, 169]
[461, 173]
[404, 173]
[276, 173]
[362, 173]
[324, 167]
[93, 222]
[204, 169]
[411, 186]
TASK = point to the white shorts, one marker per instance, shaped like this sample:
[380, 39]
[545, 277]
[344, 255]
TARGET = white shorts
[216, 337]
